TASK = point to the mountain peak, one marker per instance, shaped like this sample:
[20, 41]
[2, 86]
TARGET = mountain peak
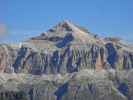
[66, 21]
[67, 28]
[62, 26]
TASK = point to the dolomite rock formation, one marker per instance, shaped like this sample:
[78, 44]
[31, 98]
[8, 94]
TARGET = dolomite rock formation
[66, 48]
[66, 63]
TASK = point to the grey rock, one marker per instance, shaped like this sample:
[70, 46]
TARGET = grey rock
[66, 63]
[83, 85]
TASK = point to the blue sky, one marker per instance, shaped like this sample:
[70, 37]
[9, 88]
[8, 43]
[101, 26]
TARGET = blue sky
[24, 18]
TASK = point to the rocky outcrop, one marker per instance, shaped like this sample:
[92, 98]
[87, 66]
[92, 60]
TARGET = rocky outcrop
[82, 85]
[7, 58]
[66, 63]
[65, 48]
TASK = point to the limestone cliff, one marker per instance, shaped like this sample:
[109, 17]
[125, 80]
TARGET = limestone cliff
[65, 48]
[66, 63]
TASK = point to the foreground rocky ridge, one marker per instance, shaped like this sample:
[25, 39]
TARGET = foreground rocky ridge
[82, 85]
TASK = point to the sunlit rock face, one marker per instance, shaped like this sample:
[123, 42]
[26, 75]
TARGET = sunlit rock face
[65, 51]
[66, 48]
[82, 85]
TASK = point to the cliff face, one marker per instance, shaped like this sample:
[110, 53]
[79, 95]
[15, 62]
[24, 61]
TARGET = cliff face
[66, 63]
[65, 48]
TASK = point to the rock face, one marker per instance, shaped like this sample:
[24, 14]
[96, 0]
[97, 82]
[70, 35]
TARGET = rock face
[82, 85]
[67, 50]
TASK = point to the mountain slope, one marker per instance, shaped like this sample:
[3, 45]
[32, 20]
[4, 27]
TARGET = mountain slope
[66, 63]
[66, 48]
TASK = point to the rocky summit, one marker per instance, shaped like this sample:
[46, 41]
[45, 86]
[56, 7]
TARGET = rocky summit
[67, 62]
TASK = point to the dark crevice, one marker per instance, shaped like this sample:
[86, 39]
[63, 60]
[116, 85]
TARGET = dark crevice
[112, 54]
[21, 54]
[61, 91]
[66, 40]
